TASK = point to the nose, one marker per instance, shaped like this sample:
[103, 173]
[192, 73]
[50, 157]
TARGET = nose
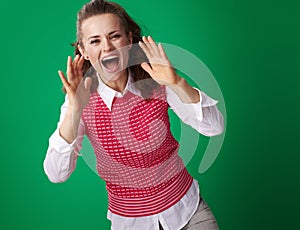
[107, 45]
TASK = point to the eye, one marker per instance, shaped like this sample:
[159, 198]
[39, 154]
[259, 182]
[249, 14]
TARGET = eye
[115, 36]
[95, 41]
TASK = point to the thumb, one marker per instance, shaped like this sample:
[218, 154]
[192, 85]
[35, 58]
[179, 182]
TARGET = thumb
[147, 68]
[88, 83]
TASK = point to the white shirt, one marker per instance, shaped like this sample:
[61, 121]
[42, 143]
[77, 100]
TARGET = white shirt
[204, 116]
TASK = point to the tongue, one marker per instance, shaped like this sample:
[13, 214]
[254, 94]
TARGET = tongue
[111, 64]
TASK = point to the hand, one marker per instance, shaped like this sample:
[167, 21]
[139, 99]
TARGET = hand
[160, 68]
[78, 90]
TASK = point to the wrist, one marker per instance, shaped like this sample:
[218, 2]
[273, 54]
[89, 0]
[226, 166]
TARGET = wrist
[75, 110]
[185, 92]
[179, 83]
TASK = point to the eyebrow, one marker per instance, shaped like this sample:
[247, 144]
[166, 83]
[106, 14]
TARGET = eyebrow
[97, 36]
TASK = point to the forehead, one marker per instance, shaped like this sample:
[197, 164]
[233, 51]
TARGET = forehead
[100, 25]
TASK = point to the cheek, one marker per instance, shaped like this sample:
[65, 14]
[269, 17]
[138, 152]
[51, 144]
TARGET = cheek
[93, 53]
[94, 59]
[122, 42]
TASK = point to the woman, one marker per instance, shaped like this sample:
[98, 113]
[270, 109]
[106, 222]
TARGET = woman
[122, 106]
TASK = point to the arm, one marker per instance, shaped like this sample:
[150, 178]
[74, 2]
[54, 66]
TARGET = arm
[61, 156]
[192, 106]
[65, 142]
[203, 116]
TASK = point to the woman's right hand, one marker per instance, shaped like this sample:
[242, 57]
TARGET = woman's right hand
[78, 90]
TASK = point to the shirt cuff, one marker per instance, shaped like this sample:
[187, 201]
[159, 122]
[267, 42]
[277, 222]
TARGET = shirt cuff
[185, 111]
[205, 100]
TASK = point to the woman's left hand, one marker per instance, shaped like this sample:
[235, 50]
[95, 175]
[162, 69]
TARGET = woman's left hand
[160, 68]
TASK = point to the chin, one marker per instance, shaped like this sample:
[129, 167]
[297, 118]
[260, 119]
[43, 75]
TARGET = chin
[113, 77]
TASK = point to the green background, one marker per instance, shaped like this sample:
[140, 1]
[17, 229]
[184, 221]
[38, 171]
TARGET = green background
[251, 47]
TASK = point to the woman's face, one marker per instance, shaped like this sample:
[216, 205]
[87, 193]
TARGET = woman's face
[106, 45]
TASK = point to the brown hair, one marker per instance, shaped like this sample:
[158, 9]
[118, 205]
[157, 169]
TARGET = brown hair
[136, 56]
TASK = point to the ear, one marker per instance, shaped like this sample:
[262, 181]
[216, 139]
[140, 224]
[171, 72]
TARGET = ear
[82, 52]
[130, 40]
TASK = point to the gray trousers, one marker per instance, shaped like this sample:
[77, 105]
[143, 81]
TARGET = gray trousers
[203, 219]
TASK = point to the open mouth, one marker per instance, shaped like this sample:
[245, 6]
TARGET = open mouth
[110, 63]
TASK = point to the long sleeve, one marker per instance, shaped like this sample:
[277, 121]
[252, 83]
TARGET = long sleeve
[203, 116]
[61, 157]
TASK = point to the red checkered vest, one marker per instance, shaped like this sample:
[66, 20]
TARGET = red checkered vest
[137, 156]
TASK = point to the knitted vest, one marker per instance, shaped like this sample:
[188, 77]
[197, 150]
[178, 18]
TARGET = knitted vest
[136, 153]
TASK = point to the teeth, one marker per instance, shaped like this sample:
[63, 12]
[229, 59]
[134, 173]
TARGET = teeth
[109, 57]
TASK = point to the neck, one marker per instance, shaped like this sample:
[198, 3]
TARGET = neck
[118, 83]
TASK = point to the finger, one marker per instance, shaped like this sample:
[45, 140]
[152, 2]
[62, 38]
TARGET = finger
[148, 45]
[75, 65]
[76, 59]
[162, 51]
[63, 79]
[147, 68]
[145, 39]
[80, 67]
[145, 49]
[80, 63]
[152, 42]
[88, 83]
[70, 68]
[153, 46]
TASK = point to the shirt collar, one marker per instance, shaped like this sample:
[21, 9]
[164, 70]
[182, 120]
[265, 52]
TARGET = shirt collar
[107, 94]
